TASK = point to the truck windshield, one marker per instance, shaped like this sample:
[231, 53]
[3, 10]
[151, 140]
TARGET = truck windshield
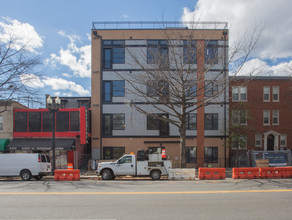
[126, 159]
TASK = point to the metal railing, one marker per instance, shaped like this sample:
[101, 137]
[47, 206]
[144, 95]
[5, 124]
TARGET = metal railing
[103, 25]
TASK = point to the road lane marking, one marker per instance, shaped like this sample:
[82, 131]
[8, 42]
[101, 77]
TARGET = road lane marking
[143, 193]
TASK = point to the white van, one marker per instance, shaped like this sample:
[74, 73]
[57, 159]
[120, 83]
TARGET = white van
[25, 165]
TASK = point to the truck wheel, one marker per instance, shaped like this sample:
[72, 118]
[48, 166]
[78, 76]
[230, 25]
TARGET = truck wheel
[155, 174]
[106, 175]
[25, 175]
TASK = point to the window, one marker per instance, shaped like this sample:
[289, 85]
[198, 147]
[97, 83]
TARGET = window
[275, 117]
[190, 88]
[113, 53]
[157, 52]
[125, 159]
[211, 52]
[20, 122]
[239, 93]
[118, 121]
[114, 88]
[239, 117]
[62, 121]
[283, 140]
[35, 123]
[110, 153]
[158, 88]
[266, 94]
[239, 143]
[192, 121]
[113, 122]
[211, 155]
[154, 123]
[275, 94]
[211, 88]
[258, 140]
[74, 121]
[266, 117]
[47, 122]
[211, 121]
[191, 155]
[190, 51]
[1, 123]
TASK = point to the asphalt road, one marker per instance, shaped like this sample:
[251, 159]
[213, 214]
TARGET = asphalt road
[139, 199]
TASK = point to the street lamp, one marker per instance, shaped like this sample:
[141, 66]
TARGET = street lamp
[53, 108]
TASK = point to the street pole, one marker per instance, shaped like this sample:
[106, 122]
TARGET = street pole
[53, 109]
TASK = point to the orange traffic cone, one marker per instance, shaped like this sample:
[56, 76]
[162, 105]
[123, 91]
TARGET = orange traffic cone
[163, 156]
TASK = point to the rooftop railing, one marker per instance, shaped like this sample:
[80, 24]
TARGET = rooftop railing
[107, 25]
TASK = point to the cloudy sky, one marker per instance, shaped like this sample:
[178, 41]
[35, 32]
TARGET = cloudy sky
[59, 31]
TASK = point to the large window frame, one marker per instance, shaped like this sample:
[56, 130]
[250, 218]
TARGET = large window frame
[190, 52]
[275, 117]
[239, 117]
[157, 124]
[192, 121]
[211, 88]
[157, 88]
[113, 88]
[211, 52]
[258, 140]
[239, 93]
[276, 93]
[113, 122]
[266, 93]
[211, 121]
[157, 53]
[283, 140]
[266, 117]
[113, 53]
[211, 155]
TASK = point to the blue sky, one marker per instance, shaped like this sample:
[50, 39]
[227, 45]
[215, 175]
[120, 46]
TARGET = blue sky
[61, 28]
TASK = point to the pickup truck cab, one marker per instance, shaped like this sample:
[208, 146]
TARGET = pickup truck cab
[127, 165]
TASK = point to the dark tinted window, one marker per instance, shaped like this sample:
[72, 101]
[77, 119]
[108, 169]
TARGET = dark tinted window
[62, 121]
[20, 122]
[35, 122]
[74, 121]
[47, 122]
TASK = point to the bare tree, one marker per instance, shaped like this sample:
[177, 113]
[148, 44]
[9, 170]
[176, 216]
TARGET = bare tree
[172, 81]
[16, 72]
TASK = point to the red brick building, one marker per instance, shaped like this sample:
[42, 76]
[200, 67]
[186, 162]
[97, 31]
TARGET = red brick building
[260, 116]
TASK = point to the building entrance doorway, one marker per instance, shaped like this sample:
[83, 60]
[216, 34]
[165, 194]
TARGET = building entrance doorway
[270, 142]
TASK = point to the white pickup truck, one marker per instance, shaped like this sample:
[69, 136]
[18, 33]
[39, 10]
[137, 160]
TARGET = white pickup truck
[127, 165]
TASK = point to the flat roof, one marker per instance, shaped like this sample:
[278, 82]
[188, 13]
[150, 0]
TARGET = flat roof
[113, 25]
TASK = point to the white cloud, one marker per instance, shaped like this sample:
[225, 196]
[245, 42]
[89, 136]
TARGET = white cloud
[31, 80]
[24, 34]
[243, 15]
[257, 67]
[62, 84]
[274, 17]
[78, 59]
[66, 75]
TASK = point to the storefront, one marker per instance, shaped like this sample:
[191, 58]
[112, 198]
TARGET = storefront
[64, 149]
